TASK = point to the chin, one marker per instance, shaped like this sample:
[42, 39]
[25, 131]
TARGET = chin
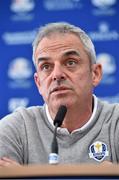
[67, 101]
[59, 103]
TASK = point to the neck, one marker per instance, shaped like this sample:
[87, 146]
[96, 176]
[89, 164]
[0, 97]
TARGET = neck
[78, 116]
[76, 119]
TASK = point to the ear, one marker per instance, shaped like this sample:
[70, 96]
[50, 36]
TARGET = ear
[37, 81]
[96, 74]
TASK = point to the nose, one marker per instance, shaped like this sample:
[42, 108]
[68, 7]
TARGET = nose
[58, 73]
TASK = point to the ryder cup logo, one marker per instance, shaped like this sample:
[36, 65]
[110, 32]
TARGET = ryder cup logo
[98, 151]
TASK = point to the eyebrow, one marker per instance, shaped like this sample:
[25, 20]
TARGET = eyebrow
[71, 52]
[65, 54]
[40, 59]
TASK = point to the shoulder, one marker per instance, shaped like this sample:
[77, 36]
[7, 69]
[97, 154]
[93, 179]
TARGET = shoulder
[107, 109]
[22, 114]
[109, 106]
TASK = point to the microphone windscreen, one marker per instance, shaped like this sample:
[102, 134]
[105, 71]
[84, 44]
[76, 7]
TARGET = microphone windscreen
[60, 115]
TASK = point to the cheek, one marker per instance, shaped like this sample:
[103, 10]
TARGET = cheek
[79, 78]
[43, 84]
[44, 88]
[83, 79]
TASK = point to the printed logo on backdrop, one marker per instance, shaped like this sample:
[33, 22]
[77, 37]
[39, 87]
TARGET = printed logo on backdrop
[22, 10]
[16, 38]
[54, 5]
[104, 7]
[104, 33]
[109, 68]
[15, 103]
[19, 73]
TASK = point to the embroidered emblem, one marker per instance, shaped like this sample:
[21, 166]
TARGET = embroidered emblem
[98, 151]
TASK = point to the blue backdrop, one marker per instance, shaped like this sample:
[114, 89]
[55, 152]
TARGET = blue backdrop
[19, 20]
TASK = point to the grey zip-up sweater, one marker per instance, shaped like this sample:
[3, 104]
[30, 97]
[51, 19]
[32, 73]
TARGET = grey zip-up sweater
[26, 137]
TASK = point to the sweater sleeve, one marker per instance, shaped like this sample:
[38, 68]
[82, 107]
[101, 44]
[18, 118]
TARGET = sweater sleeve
[11, 141]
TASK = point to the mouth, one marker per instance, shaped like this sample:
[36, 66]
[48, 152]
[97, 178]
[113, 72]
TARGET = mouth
[59, 89]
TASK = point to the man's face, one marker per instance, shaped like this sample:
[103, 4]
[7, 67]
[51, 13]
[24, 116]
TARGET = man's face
[64, 73]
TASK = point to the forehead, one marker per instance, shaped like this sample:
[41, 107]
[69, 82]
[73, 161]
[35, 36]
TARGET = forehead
[59, 42]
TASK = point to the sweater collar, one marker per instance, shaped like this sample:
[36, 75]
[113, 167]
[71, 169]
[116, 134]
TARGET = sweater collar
[85, 126]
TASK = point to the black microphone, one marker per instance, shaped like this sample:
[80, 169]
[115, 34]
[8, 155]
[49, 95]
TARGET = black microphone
[60, 116]
[53, 157]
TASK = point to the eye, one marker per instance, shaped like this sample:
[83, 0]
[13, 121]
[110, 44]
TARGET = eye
[46, 67]
[71, 63]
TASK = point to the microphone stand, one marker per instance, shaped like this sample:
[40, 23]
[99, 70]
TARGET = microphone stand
[53, 156]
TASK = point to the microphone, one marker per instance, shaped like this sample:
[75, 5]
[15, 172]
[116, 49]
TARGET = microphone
[60, 116]
[53, 156]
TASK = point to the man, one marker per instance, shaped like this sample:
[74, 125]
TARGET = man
[66, 74]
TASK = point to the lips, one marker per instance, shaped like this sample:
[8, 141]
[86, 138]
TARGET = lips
[59, 89]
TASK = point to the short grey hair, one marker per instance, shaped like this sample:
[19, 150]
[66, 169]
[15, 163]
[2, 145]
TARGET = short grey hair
[64, 27]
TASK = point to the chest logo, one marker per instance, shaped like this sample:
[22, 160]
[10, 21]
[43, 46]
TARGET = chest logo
[98, 151]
